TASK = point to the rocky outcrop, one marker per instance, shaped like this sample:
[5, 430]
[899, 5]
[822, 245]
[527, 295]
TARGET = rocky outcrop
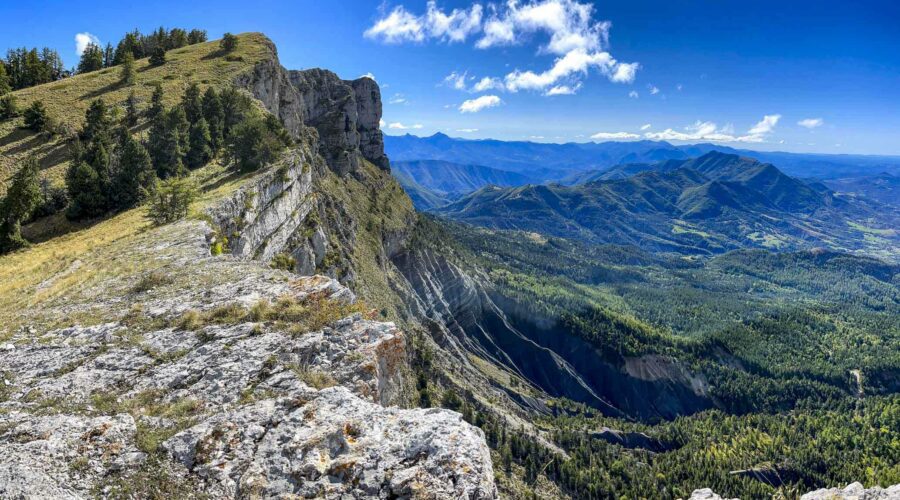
[237, 406]
[346, 114]
[855, 491]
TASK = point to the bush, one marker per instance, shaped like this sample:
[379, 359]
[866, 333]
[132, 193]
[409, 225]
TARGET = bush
[158, 58]
[9, 107]
[171, 200]
[284, 262]
[36, 117]
[256, 142]
[228, 43]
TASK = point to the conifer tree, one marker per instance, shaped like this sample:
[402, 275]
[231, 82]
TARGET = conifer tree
[128, 73]
[5, 86]
[134, 177]
[131, 110]
[196, 36]
[193, 108]
[85, 192]
[108, 55]
[91, 59]
[166, 144]
[16, 207]
[212, 113]
[156, 103]
[97, 123]
[199, 150]
[9, 107]
[36, 117]
[158, 56]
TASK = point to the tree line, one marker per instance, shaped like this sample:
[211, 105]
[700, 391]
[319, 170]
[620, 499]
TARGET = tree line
[24, 67]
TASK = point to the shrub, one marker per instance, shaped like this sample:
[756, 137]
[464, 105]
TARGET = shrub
[9, 107]
[284, 262]
[158, 58]
[36, 117]
[171, 200]
[256, 142]
[228, 42]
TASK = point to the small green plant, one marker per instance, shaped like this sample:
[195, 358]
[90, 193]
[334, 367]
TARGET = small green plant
[152, 280]
[171, 200]
[284, 262]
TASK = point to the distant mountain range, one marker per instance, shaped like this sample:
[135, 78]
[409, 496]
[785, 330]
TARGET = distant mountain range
[554, 162]
[431, 183]
[710, 204]
[883, 187]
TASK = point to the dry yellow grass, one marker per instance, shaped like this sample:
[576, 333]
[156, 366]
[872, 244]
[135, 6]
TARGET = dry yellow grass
[66, 100]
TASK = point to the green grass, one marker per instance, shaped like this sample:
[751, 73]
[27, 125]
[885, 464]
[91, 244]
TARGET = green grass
[66, 100]
[871, 230]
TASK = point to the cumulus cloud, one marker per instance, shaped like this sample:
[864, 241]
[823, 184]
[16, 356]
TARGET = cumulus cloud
[614, 136]
[765, 126]
[82, 40]
[572, 35]
[633, 94]
[369, 76]
[709, 131]
[811, 123]
[646, 126]
[480, 103]
[400, 126]
[381, 123]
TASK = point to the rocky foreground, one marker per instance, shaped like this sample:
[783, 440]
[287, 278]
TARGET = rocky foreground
[195, 391]
[855, 491]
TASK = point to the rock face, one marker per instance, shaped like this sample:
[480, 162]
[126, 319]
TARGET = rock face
[345, 114]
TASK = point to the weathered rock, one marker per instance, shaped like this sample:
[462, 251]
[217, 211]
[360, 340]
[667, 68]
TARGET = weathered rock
[337, 444]
[855, 491]
[706, 494]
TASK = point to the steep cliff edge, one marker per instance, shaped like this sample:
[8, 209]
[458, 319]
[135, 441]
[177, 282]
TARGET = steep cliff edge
[140, 364]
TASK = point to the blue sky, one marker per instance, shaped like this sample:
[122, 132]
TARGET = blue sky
[771, 75]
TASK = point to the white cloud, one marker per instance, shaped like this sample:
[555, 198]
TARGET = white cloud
[399, 26]
[538, 137]
[456, 80]
[400, 126]
[633, 94]
[653, 89]
[467, 130]
[709, 131]
[368, 75]
[573, 36]
[487, 83]
[679, 87]
[455, 26]
[82, 40]
[397, 99]
[381, 123]
[615, 136]
[483, 102]
[811, 123]
[765, 126]
[563, 90]
[646, 126]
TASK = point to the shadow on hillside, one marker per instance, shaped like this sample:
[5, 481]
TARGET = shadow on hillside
[213, 55]
[16, 135]
[53, 226]
[33, 142]
[225, 179]
[93, 94]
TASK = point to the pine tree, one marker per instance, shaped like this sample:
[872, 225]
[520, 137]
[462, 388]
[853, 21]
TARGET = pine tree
[91, 59]
[228, 43]
[108, 56]
[156, 103]
[134, 177]
[166, 144]
[131, 110]
[158, 56]
[36, 117]
[128, 74]
[199, 150]
[97, 123]
[212, 113]
[9, 107]
[193, 108]
[85, 192]
[177, 38]
[196, 36]
[21, 199]
[5, 86]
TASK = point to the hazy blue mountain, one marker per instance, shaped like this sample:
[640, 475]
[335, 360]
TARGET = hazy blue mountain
[709, 204]
[884, 187]
[555, 162]
[449, 181]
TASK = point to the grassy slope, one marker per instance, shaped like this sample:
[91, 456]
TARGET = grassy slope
[66, 100]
